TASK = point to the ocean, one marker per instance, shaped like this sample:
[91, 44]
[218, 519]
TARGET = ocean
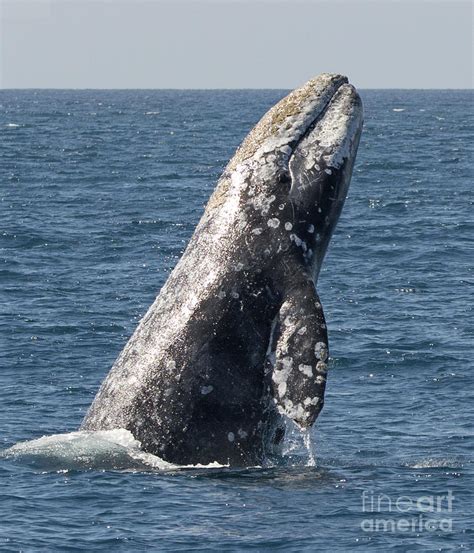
[100, 193]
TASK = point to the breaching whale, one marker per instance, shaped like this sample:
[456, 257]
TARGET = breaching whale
[237, 337]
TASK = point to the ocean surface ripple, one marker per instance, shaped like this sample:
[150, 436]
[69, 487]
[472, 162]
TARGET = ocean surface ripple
[100, 192]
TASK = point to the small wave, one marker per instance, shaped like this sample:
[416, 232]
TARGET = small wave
[84, 450]
[431, 463]
[152, 112]
[12, 125]
[398, 109]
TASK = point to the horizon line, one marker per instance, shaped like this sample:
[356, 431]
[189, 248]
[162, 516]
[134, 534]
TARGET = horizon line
[216, 88]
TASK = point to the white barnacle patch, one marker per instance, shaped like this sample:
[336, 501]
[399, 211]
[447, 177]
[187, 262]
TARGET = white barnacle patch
[288, 226]
[295, 412]
[171, 365]
[318, 237]
[302, 330]
[231, 436]
[206, 390]
[191, 304]
[296, 239]
[266, 202]
[280, 375]
[273, 223]
[257, 231]
[321, 367]
[307, 370]
[311, 401]
[239, 266]
[221, 295]
[242, 434]
[311, 229]
[328, 171]
[309, 161]
[238, 177]
[321, 351]
[289, 321]
[320, 379]
[262, 203]
[235, 295]
[288, 404]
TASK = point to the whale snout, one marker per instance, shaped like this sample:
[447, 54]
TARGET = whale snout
[333, 136]
[320, 122]
[328, 145]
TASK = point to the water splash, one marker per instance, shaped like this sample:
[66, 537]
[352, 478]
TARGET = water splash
[309, 448]
[84, 450]
[117, 449]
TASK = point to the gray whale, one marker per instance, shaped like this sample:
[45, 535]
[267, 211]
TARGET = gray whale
[237, 337]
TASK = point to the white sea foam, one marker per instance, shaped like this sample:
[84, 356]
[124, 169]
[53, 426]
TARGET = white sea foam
[12, 125]
[82, 450]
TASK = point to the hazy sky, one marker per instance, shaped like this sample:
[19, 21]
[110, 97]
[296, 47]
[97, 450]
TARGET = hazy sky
[234, 43]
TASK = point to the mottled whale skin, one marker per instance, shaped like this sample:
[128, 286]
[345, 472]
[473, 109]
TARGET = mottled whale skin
[237, 335]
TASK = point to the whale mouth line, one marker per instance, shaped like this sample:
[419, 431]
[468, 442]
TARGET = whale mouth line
[313, 122]
[290, 119]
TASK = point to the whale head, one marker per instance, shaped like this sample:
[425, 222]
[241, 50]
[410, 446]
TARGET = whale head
[301, 153]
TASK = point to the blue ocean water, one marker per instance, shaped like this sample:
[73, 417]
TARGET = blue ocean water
[100, 192]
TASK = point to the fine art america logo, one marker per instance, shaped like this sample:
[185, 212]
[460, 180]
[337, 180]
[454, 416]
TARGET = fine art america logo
[428, 513]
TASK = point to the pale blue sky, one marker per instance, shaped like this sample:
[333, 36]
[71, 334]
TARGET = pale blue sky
[234, 43]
